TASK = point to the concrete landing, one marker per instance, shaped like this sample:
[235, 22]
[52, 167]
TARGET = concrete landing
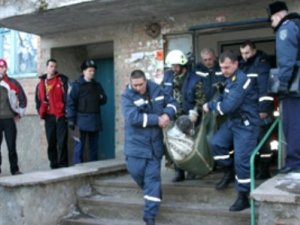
[63, 174]
[45, 197]
[278, 200]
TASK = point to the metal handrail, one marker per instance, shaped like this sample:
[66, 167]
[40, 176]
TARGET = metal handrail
[252, 161]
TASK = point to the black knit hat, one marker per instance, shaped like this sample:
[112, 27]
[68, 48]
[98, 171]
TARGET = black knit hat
[88, 63]
[276, 7]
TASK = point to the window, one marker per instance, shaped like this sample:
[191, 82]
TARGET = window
[19, 49]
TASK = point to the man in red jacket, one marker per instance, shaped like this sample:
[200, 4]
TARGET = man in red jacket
[50, 100]
[12, 106]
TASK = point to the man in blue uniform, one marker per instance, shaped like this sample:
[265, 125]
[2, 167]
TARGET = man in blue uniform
[255, 64]
[209, 71]
[187, 89]
[240, 130]
[146, 109]
[83, 110]
[287, 29]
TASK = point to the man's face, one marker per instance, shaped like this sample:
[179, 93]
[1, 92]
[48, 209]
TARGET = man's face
[177, 69]
[51, 68]
[275, 19]
[228, 67]
[139, 85]
[208, 59]
[247, 52]
[3, 71]
[89, 73]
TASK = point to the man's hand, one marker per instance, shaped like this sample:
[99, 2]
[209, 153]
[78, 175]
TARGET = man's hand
[283, 89]
[71, 125]
[193, 115]
[205, 108]
[163, 121]
[263, 115]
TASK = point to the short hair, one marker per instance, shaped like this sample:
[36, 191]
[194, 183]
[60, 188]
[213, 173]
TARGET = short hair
[51, 60]
[249, 43]
[228, 54]
[136, 74]
[207, 51]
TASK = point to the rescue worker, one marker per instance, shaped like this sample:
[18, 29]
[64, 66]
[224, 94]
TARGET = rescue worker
[146, 109]
[187, 89]
[12, 107]
[209, 71]
[240, 130]
[85, 97]
[287, 29]
[255, 64]
[50, 98]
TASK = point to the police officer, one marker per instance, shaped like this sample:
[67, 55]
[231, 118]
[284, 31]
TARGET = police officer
[287, 29]
[255, 64]
[187, 89]
[241, 128]
[209, 71]
[85, 97]
[146, 109]
[12, 107]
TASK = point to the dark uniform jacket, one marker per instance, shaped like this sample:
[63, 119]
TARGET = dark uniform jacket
[143, 136]
[258, 68]
[210, 78]
[239, 100]
[83, 104]
[288, 49]
[191, 89]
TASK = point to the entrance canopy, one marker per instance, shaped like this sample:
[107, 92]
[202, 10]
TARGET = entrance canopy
[46, 17]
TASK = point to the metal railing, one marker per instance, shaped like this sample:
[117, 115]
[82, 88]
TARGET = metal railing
[252, 160]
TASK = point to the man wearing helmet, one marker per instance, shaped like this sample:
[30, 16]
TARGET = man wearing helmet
[187, 88]
[83, 110]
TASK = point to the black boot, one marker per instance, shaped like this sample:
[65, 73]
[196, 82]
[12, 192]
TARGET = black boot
[179, 175]
[226, 179]
[264, 171]
[190, 176]
[242, 202]
[149, 221]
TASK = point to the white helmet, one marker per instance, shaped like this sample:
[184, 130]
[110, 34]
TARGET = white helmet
[176, 57]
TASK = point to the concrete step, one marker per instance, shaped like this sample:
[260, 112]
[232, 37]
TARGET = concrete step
[83, 220]
[181, 213]
[196, 191]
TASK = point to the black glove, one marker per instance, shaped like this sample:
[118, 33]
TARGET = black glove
[71, 125]
[283, 88]
[220, 87]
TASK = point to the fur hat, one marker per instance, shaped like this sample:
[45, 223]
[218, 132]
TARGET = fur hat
[276, 7]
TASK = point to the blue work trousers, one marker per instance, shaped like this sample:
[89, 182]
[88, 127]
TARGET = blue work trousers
[243, 139]
[146, 173]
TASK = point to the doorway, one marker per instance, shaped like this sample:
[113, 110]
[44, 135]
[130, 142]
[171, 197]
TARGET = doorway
[105, 75]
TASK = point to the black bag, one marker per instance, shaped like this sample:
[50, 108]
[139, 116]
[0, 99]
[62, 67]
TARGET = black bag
[273, 84]
[294, 85]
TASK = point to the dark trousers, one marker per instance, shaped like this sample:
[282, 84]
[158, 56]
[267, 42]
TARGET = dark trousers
[146, 173]
[8, 127]
[244, 140]
[265, 153]
[291, 129]
[56, 134]
[93, 146]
